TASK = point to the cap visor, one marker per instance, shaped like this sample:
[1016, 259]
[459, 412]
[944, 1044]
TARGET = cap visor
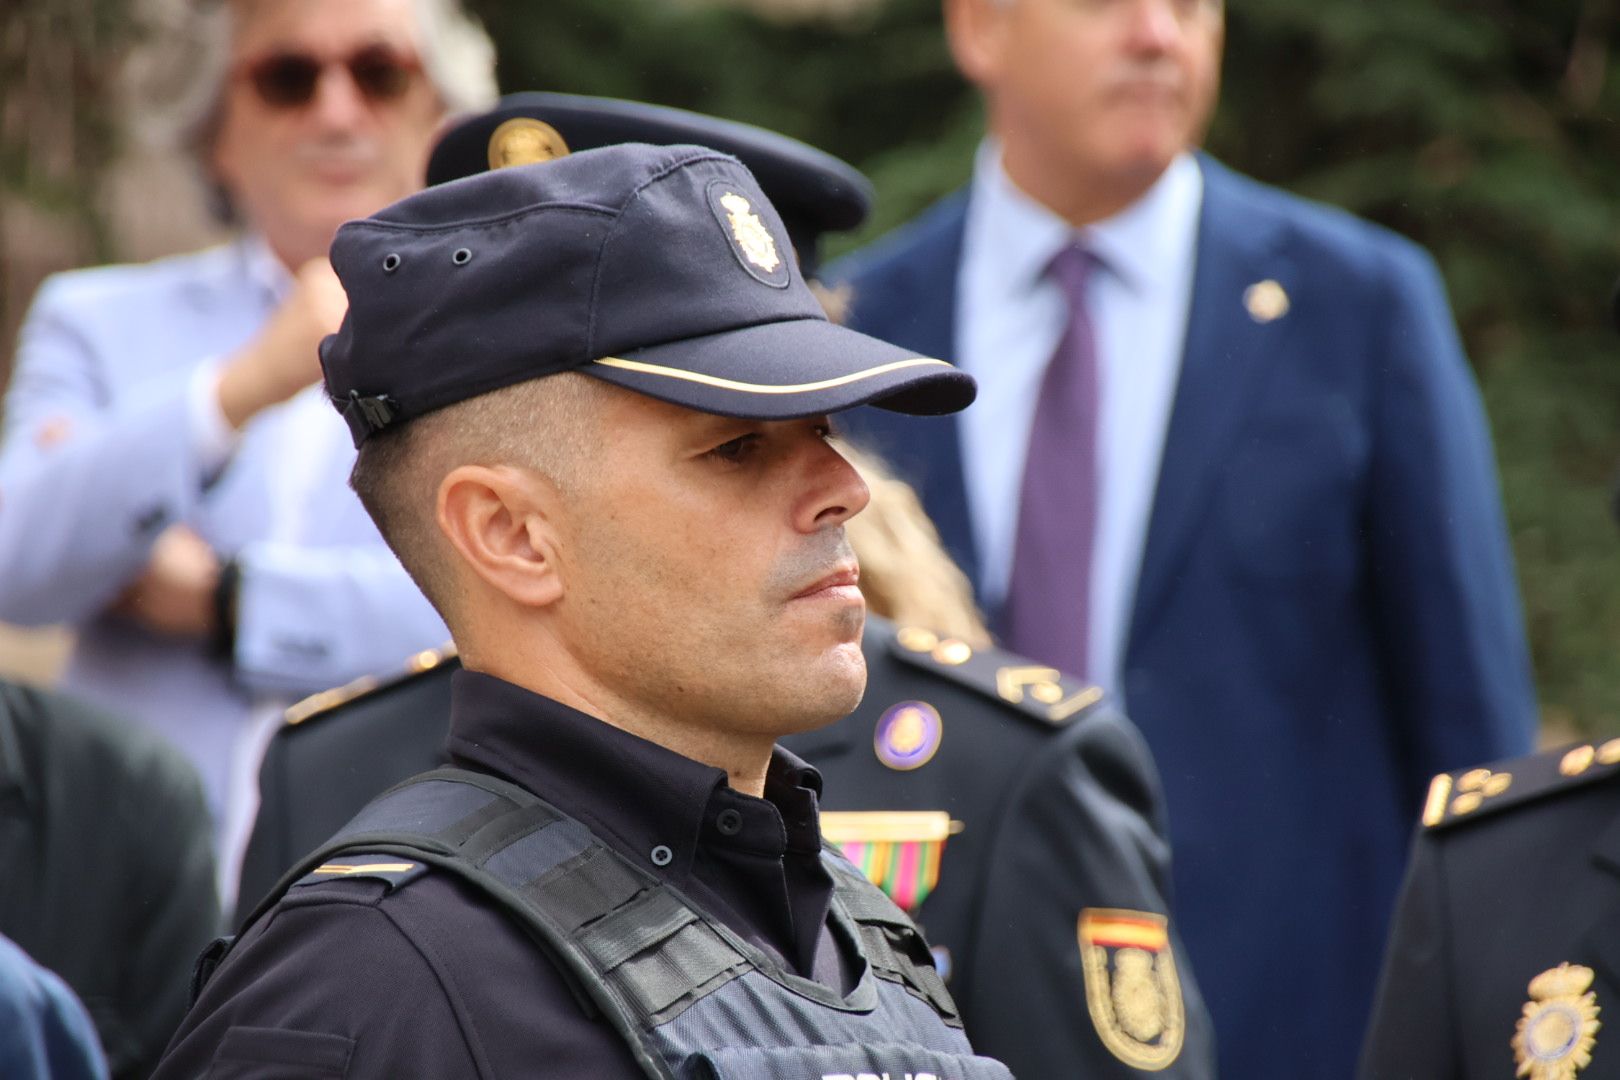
[785, 370]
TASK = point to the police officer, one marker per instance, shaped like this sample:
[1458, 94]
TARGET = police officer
[1016, 815]
[1504, 952]
[590, 399]
[1504, 956]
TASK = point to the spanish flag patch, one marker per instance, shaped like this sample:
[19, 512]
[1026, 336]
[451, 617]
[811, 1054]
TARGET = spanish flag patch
[1132, 990]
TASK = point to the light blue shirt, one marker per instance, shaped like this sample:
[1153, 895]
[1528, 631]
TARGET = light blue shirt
[111, 434]
[1009, 319]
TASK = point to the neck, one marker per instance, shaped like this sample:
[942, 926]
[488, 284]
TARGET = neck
[293, 251]
[553, 673]
[1078, 197]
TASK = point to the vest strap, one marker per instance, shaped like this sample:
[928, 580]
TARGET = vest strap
[629, 946]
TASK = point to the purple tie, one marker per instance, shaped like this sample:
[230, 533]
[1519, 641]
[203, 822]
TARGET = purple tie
[1048, 605]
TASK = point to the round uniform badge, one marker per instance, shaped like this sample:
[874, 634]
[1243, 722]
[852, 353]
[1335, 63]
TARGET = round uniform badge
[1558, 1031]
[524, 140]
[908, 735]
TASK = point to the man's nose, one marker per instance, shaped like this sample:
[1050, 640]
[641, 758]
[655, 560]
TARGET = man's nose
[338, 102]
[1155, 25]
[835, 493]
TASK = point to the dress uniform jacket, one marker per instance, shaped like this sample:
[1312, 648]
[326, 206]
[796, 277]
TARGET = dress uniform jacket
[1326, 600]
[1504, 957]
[106, 866]
[1056, 801]
[355, 977]
[101, 453]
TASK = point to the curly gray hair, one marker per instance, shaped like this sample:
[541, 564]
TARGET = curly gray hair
[176, 79]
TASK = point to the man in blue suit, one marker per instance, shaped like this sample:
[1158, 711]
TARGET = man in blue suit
[1274, 529]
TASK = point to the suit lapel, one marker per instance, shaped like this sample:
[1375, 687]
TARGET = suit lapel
[1224, 361]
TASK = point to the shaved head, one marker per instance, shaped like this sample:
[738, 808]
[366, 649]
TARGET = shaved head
[549, 426]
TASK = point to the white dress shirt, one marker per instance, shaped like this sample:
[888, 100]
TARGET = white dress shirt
[1009, 319]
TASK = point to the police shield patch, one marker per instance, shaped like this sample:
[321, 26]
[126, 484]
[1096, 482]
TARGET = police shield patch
[1132, 989]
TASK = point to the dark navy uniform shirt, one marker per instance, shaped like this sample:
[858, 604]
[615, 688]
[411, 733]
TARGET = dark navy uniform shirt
[346, 978]
[1060, 812]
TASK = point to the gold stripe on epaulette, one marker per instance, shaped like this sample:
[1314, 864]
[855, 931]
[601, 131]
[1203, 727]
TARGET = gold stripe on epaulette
[317, 703]
[364, 868]
[1040, 682]
[1434, 809]
[1067, 708]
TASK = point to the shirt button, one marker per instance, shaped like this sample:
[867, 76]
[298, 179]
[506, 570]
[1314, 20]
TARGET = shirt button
[662, 856]
[729, 822]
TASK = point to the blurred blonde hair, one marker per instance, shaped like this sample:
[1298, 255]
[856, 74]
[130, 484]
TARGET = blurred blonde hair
[906, 574]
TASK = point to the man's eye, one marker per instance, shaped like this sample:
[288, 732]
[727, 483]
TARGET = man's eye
[738, 449]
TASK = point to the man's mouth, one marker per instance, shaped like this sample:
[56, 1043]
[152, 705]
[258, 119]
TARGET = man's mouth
[840, 584]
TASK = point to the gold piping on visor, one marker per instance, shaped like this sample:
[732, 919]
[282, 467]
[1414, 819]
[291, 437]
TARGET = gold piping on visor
[766, 388]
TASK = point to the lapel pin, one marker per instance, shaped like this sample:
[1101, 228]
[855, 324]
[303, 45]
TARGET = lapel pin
[1266, 301]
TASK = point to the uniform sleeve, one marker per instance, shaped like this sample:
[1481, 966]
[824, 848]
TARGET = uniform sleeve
[1411, 1034]
[305, 997]
[1083, 829]
[1448, 601]
[86, 482]
[309, 618]
[346, 981]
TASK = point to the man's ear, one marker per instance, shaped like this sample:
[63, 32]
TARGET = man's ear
[500, 521]
[974, 30]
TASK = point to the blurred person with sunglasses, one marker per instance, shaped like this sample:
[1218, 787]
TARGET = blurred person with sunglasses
[172, 483]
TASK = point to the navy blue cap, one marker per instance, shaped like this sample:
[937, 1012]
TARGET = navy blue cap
[661, 269]
[813, 192]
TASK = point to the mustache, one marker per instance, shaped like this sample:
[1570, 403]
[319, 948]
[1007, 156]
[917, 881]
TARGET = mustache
[338, 147]
[821, 554]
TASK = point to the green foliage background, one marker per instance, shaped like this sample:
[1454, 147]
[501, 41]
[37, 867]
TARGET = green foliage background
[1489, 130]
[1485, 129]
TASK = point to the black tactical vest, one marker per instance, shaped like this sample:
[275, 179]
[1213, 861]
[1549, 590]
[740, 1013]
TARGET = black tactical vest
[691, 998]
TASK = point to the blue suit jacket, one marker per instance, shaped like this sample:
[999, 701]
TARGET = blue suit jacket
[1326, 611]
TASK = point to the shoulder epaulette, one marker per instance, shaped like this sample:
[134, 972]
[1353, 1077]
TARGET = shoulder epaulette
[316, 704]
[1036, 690]
[390, 868]
[1470, 794]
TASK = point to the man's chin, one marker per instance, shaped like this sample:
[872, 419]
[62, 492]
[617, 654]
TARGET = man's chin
[831, 697]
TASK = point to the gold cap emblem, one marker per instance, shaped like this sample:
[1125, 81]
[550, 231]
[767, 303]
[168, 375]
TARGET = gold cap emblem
[755, 240]
[1559, 1027]
[524, 140]
[1266, 301]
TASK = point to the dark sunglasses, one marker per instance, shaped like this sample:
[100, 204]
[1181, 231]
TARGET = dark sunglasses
[287, 80]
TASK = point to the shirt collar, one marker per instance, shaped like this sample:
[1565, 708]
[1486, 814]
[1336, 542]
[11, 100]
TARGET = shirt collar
[635, 794]
[1143, 244]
